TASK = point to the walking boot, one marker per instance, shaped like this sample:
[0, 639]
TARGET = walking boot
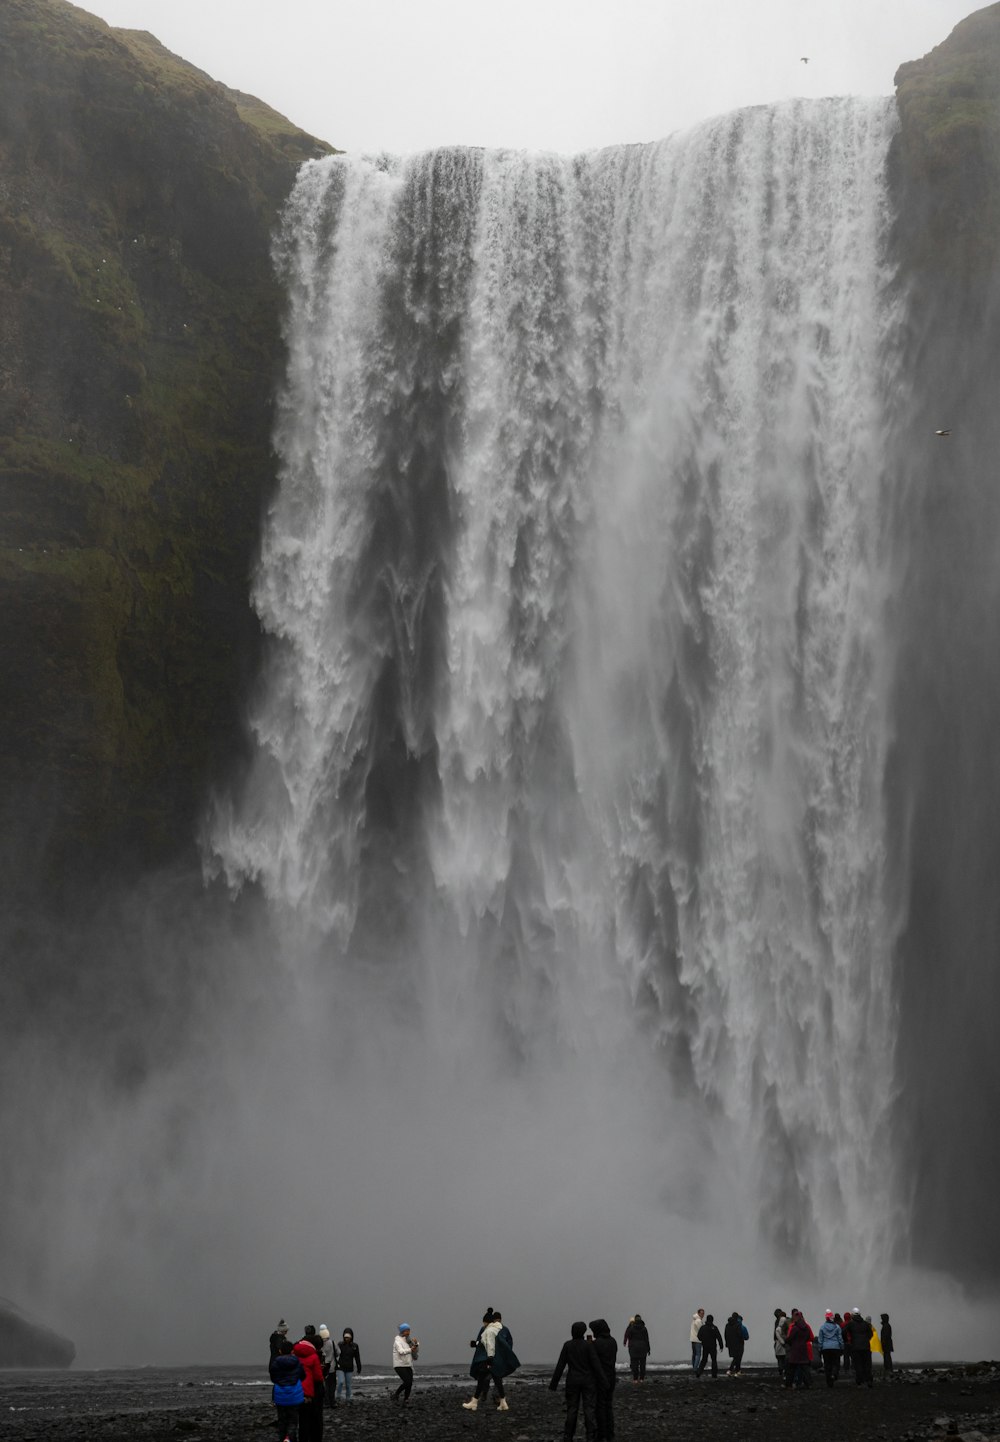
[472, 1405]
[502, 1405]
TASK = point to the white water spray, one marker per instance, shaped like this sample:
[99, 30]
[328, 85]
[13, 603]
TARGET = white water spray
[581, 524]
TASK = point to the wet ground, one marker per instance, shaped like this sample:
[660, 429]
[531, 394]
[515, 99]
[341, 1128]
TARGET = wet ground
[233, 1405]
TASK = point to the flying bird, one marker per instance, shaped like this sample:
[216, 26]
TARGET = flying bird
[942, 433]
[804, 59]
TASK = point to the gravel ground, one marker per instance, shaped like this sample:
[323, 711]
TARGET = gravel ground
[916, 1404]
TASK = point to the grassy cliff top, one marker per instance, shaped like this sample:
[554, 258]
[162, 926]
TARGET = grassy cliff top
[949, 145]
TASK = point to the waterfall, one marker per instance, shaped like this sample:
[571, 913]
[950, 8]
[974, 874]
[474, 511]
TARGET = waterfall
[574, 722]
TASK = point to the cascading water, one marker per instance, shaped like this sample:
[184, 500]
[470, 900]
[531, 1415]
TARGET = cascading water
[571, 744]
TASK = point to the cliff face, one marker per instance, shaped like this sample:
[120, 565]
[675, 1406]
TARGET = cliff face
[946, 764]
[139, 341]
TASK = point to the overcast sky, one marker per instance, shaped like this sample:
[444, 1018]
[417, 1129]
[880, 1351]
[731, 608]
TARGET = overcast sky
[566, 75]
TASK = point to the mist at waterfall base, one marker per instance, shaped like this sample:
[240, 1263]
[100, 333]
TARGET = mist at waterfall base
[553, 947]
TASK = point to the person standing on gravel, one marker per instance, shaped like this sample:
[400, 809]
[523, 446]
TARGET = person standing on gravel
[711, 1340]
[276, 1338]
[861, 1349]
[831, 1346]
[697, 1322]
[607, 1354]
[780, 1335]
[637, 1342]
[287, 1376]
[887, 1344]
[799, 1351]
[735, 1342]
[348, 1359]
[492, 1360]
[584, 1378]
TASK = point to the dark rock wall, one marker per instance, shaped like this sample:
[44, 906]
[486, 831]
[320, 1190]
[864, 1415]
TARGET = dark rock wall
[139, 343]
[946, 762]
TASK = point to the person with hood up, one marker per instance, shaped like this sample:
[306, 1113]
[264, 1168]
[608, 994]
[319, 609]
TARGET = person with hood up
[887, 1345]
[637, 1342]
[348, 1359]
[311, 1413]
[736, 1339]
[278, 1336]
[798, 1345]
[780, 1334]
[404, 1354]
[287, 1376]
[831, 1347]
[711, 1340]
[492, 1360]
[845, 1329]
[696, 1322]
[861, 1349]
[604, 1403]
[584, 1379]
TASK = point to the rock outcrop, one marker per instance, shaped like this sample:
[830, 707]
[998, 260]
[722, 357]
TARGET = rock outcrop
[25, 1344]
[139, 343]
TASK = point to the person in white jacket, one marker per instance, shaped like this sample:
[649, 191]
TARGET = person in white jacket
[697, 1321]
[404, 1354]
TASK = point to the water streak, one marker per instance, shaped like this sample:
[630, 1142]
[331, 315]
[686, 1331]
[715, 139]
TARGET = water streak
[576, 583]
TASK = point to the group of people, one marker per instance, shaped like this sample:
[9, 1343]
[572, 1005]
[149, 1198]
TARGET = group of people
[847, 1340]
[706, 1341]
[316, 1371]
[308, 1374]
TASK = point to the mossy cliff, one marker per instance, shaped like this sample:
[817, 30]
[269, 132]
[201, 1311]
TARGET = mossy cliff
[139, 343]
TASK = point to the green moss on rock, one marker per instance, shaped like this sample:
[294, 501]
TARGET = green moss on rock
[141, 337]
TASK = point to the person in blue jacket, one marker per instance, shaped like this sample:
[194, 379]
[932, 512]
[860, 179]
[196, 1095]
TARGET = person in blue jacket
[287, 1374]
[831, 1348]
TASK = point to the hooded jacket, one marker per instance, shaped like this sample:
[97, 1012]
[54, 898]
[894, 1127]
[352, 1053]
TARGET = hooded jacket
[348, 1356]
[637, 1338]
[581, 1364]
[309, 1357]
[607, 1350]
[735, 1340]
[830, 1337]
[861, 1334]
[709, 1335]
[696, 1322]
[287, 1374]
[797, 1343]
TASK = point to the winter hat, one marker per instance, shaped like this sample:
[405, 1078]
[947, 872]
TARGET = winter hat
[829, 1314]
[282, 1326]
[324, 1330]
[403, 1327]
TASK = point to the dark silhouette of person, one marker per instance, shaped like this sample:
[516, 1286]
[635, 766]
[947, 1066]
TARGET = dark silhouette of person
[735, 1342]
[637, 1342]
[861, 1349]
[711, 1340]
[584, 1379]
[607, 1353]
[886, 1339]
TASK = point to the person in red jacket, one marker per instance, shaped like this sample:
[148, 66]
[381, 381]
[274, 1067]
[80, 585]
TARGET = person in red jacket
[311, 1415]
[799, 1351]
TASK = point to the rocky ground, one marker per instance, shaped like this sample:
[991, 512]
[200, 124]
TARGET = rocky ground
[916, 1404]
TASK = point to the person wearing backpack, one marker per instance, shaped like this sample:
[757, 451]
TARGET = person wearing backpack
[287, 1376]
[736, 1338]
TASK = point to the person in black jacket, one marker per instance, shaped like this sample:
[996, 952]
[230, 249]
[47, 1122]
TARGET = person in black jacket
[886, 1340]
[711, 1340]
[584, 1379]
[348, 1359]
[637, 1342]
[861, 1349]
[735, 1342]
[607, 1354]
[279, 1335]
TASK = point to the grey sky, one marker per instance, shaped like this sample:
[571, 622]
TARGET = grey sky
[562, 75]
